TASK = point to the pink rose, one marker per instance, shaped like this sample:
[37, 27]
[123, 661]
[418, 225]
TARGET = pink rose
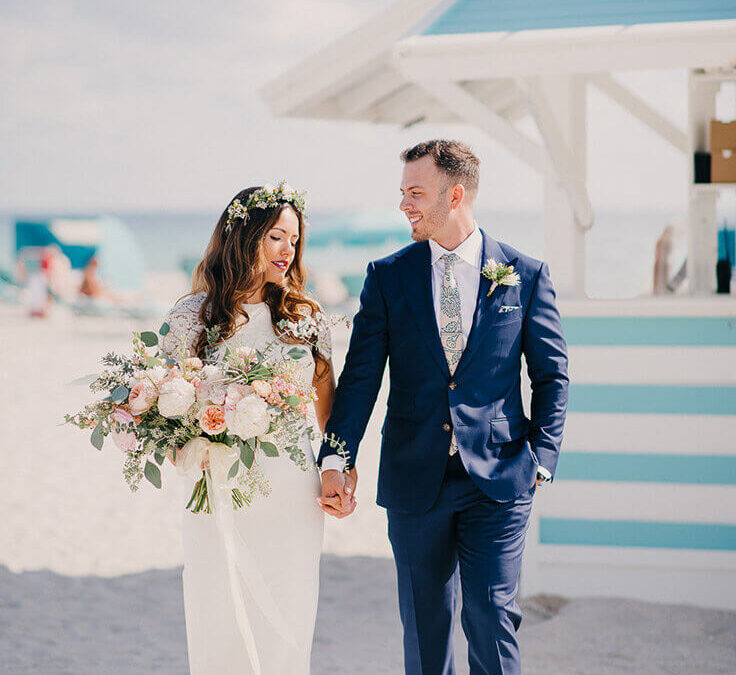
[125, 440]
[212, 419]
[261, 387]
[142, 396]
[236, 392]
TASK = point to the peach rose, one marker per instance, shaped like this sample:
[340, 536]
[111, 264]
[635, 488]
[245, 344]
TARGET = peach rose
[212, 419]
[142, 396]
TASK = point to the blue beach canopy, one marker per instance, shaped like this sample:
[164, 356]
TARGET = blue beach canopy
[484, 16]
[80, 239]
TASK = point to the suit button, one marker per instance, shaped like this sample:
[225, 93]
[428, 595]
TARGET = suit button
[453, 385]
[446, 427]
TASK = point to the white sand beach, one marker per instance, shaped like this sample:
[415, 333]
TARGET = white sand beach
[90, 574]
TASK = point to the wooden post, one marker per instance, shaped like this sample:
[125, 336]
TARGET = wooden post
[564, 238]
[702, 244]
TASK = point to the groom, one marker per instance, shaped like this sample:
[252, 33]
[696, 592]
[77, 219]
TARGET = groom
[460, 461]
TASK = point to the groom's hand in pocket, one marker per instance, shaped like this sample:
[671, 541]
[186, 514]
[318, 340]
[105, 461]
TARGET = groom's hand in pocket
[338, 491]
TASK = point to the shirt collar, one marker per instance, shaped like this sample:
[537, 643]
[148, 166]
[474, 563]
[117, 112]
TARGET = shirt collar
[470, 251]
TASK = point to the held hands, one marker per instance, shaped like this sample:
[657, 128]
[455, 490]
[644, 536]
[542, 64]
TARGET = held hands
[338, 492]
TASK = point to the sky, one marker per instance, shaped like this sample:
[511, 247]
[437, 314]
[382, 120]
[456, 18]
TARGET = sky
[142, 105]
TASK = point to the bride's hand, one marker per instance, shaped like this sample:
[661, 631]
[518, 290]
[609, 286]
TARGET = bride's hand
[351, 483]
[335, 500]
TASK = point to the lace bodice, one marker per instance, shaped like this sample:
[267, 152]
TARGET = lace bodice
[185, 328]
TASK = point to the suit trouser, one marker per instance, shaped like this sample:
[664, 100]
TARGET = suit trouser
[469, 538]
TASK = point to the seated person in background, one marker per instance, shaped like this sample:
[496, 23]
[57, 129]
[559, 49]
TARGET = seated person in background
[91, 286]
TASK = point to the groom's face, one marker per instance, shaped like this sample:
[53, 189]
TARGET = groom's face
[425, 199]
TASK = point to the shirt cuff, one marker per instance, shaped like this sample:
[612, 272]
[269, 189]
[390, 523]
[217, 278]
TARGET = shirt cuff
[333, 463]
[540, 470]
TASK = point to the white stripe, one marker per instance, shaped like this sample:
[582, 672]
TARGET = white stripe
[653, 365]
[669, 434]
[681, 305]
[672, 503]
[635, 557]
[703, 588]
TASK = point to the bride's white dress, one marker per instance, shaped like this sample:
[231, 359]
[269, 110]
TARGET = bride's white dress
[267, 572]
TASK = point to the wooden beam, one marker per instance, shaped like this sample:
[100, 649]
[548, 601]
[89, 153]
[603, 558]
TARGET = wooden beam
[579, 50]
[363, 95]
[640, 109]
[468, 108]
[342, 63]
[563, 162]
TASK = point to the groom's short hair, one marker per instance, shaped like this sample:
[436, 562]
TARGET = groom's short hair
[453, 158]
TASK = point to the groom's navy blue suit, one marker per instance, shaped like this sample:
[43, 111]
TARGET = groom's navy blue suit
[471, 508]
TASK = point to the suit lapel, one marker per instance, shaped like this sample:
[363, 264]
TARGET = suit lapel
[417, 278]
[486, 307]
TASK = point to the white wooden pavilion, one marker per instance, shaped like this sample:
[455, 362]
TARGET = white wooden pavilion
[644, 504]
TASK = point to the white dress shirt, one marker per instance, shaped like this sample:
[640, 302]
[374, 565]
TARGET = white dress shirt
[467, 275]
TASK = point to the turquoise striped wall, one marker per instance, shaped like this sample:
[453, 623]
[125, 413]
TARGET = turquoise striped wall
[615, 334]
[647, 468]
[480, 16]
[635, 399]
[581, 532]
[664, 331]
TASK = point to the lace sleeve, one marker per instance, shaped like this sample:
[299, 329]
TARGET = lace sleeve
[184, 325]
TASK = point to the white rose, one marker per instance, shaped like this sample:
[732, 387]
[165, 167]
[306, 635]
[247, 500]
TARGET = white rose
[249, 417]
[176, 397]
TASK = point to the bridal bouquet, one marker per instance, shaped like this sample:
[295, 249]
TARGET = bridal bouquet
[212, 418]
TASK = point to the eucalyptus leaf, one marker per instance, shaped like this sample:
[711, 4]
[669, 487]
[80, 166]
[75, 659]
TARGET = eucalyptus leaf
[97, 438]
[296, 353]
[293, 401]
[233, 470]
[247, 456]
[119, 394]
[149, 338]
[269, 449]
[165, 328]
[152, 473]
[159, 458]
[152, 361]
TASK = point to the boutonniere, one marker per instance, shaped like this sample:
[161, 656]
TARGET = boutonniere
[500, 274]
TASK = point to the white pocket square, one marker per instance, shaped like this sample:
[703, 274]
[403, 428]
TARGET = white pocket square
[508, 308]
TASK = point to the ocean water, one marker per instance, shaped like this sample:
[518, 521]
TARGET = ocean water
[620, 247]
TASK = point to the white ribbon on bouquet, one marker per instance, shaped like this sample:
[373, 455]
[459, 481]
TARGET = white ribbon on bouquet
[243, 573]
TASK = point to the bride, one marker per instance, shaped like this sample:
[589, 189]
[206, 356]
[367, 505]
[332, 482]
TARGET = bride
[251, 576]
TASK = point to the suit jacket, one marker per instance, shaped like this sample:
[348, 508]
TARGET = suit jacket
[499, 446]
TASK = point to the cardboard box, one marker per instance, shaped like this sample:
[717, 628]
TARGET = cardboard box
[723, 152]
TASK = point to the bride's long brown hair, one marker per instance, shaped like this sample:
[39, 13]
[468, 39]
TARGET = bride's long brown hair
[233, 267]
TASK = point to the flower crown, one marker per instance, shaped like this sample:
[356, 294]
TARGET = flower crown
[263, 198]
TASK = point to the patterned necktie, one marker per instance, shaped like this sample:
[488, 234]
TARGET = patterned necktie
[451, 326]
